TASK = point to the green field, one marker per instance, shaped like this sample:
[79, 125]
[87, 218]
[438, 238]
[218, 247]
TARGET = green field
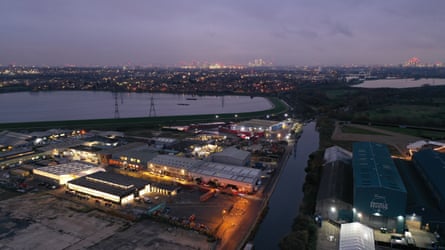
[334, 94]
[415, 132]
[405, 114]
[124, 124]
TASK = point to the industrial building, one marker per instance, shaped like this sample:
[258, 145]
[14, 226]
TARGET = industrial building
[266, 128]
[134, 156]
[10, 140]
[232, 156]
[355, 236]
[425, 144]
[173, 166]
[110, 186]
[430, 164]
[242, 178]
[379, 195]
[334, 197]
[62, 173]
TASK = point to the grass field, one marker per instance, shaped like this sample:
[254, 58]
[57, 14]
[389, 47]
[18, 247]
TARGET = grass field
[405, 114]
[124, 124]
[434, 135]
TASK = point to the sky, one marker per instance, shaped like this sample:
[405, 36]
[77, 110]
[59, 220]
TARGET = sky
[167, 32]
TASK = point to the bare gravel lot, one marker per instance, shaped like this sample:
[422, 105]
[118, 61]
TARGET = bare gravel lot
[43, 221]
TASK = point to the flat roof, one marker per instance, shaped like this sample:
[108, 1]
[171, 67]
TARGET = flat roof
[92, 149]
[432, 164]
[258, 123]
[8, 138]
[175, 161]
[229, 172]
[144, 155]
[67, 168]
[373, 167]
[233, 152]
[125, 148]
[111, 183]
[118, 179]
[64, 143]
[164, 140]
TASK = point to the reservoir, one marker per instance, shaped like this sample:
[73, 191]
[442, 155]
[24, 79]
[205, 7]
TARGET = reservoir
[288, 194]
[80, 105]
[401, 83]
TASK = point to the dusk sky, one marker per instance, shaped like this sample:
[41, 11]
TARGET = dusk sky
[295, 32]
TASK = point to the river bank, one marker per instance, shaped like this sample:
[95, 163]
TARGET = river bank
[283, 194]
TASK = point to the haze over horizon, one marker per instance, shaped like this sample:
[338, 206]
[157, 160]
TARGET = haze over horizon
[300, 32]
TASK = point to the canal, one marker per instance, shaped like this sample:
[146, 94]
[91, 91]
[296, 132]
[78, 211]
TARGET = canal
[288, 193]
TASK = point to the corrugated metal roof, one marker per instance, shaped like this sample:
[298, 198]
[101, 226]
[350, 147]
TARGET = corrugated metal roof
[336, 153]
[356, 236]
[175, 161]
[74, 168]
[374, 167]
[432, 164]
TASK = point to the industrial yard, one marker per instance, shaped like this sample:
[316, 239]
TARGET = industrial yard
[81, 189]
[63, 224]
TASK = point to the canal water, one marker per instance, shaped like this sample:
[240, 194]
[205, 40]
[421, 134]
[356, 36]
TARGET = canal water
[288, 194]
[79, 105]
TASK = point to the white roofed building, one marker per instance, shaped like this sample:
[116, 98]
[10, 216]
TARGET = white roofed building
[63, 173]
[356, 236]
[242, 178]
[172, 165]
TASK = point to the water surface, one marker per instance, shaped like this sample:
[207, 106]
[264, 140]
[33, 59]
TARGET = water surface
[75, 105]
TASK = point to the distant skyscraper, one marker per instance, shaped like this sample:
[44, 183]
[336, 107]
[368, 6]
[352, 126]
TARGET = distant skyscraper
[258, 63]
[412, 62]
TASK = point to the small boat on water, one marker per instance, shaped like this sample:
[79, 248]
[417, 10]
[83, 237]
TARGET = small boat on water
[191, 99]
[183, 104]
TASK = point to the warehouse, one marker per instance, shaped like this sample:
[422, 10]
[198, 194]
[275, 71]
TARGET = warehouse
[257, 127]
[173, 166]
[133, 159]
[242, 178]
[334, 196]
[232, 156]
[110, 186]
[379, 195]
[62, 173]
[430, 164]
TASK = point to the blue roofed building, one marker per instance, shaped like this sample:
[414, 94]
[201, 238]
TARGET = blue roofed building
[379, 194]
[430, 164]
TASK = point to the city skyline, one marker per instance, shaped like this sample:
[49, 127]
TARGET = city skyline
[173, 33]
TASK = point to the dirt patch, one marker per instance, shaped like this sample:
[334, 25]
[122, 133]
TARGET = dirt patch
[396, 140]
